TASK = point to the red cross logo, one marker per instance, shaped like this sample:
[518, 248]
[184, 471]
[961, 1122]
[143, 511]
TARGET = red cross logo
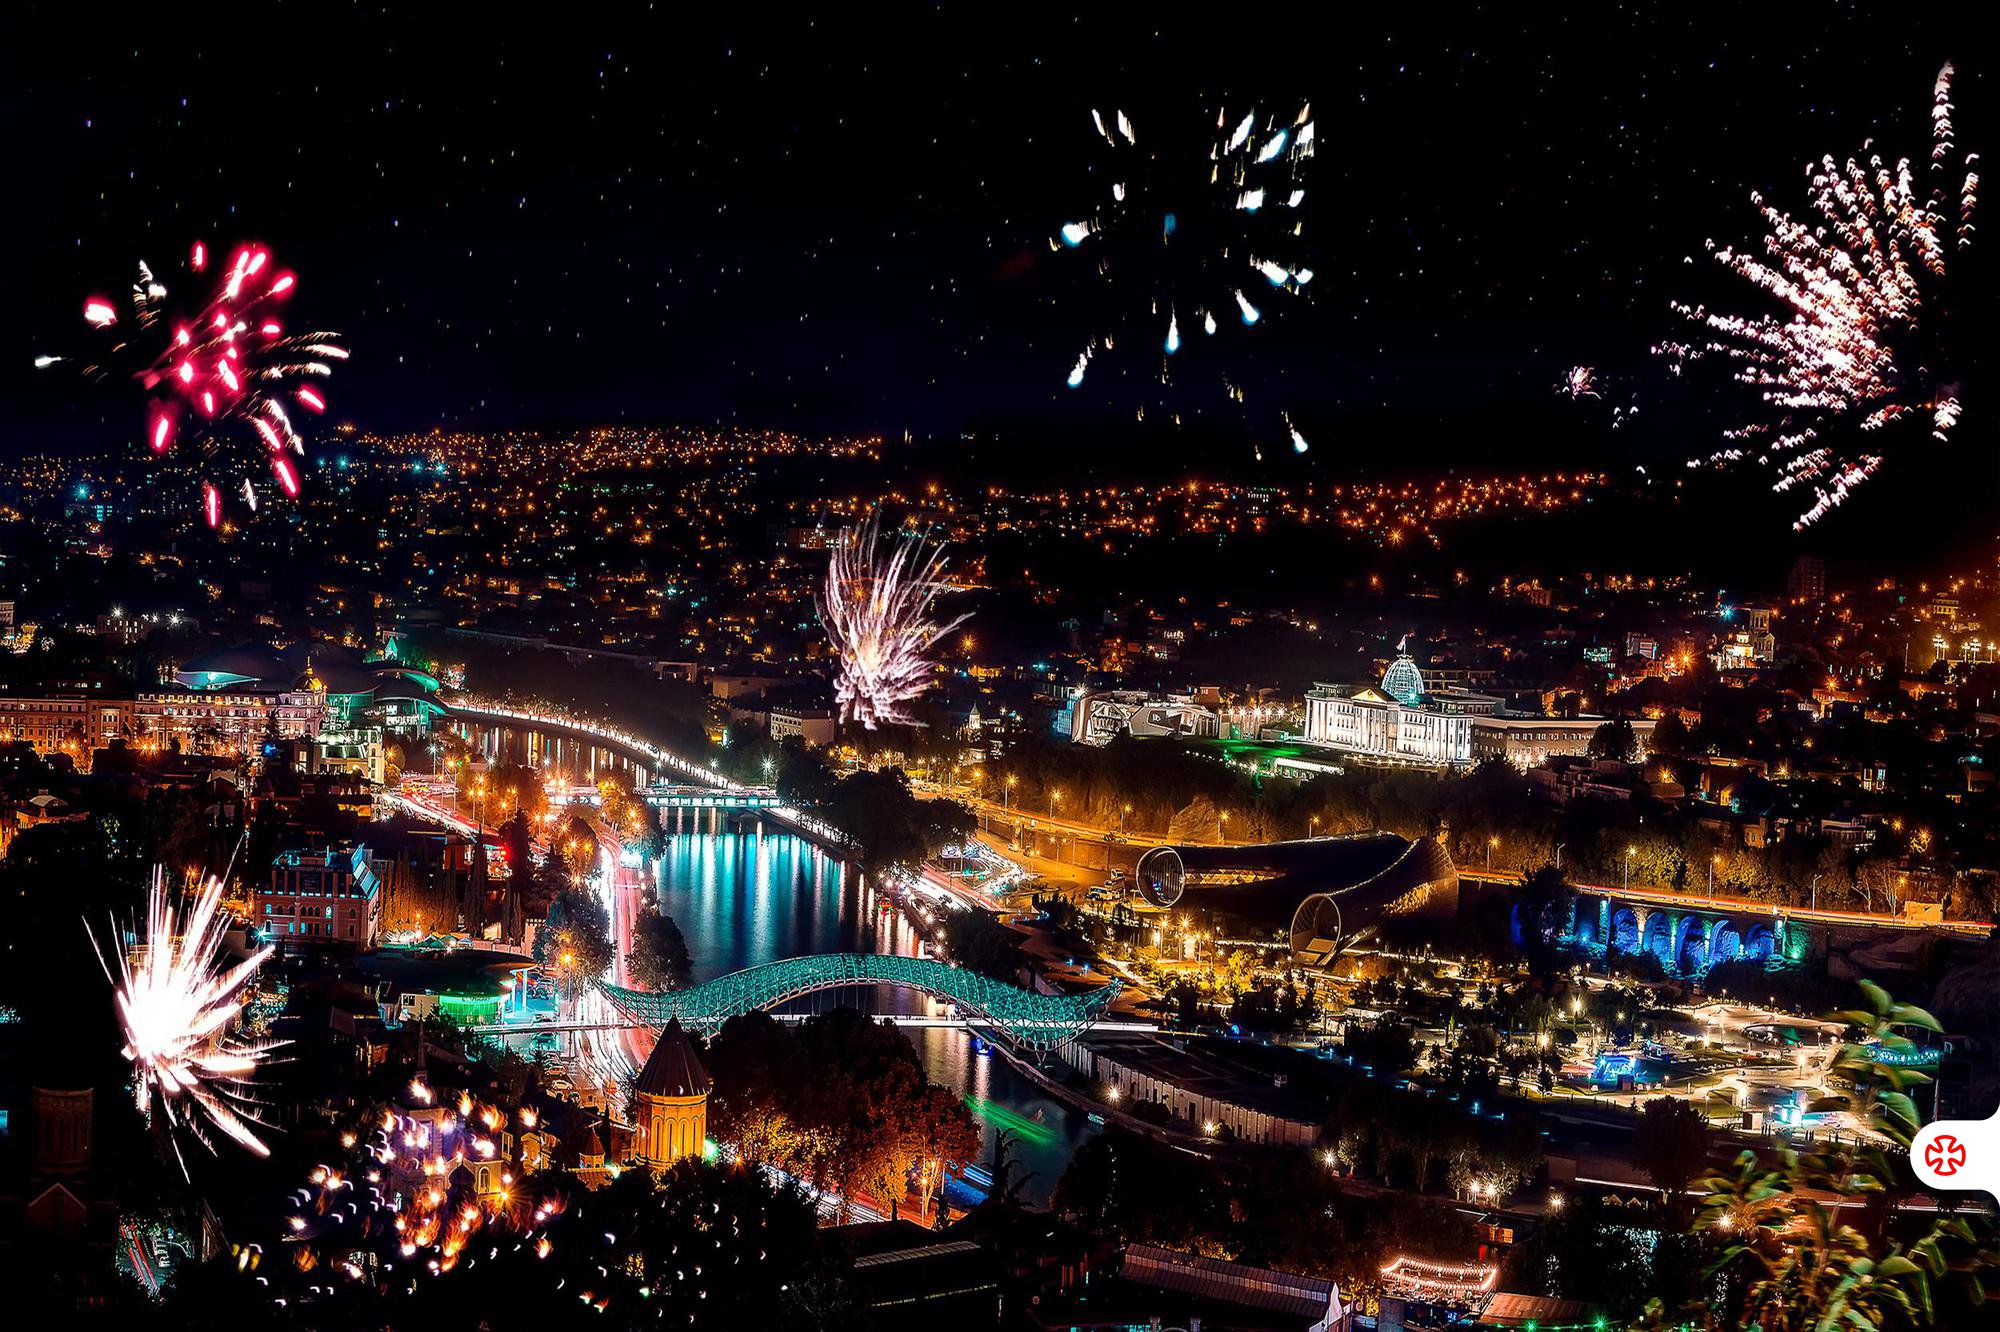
[1944, 1154]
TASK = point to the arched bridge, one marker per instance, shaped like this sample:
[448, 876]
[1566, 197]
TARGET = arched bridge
[1687, 941]
[1037, 1020]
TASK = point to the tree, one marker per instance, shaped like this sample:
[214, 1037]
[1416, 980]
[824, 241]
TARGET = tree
[933, 1137]
[1670, 736]
[1183, 998]
[1545, 899]
[840, 1099]
[576, 847]
[529, 879]
[977, 940]
[506, 787]
[1670, 1143]
[1786, 1254]
[1614, 740]
[753, 1063]
[890, 827]
[1586, 1251]
[574, 943]
[659, 957]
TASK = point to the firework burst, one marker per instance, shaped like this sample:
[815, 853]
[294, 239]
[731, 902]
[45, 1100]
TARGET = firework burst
[223, 376]
[1579, 381]
[1190, 241]
[1586, 381]
[176, 1003]
[1862, 349]
[877, 608]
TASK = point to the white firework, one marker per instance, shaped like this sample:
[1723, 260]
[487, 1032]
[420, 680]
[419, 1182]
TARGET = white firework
[1860, 343]
[1184, 227]
[176, 1004]
[877, 606]
[1579, 381]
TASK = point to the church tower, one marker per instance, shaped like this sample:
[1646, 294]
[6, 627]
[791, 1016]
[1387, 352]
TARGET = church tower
[673, 1101]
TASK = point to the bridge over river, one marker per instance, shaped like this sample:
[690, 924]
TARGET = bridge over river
[1034, 1020]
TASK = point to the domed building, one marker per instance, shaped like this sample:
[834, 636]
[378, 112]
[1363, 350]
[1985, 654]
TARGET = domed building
[1399, 721]
[356, 691]
[1403, 681]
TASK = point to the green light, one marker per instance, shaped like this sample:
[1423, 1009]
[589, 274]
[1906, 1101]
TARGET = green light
[1000, 1117]
[462, 1008]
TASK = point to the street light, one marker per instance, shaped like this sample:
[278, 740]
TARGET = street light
[1491, 842]
[1629, 852]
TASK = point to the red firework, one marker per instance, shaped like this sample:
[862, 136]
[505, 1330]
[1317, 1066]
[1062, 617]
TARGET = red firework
[217, 377]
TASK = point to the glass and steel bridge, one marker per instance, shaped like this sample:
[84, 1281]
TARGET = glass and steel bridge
[1035, 1020]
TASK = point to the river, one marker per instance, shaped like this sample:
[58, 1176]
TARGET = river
[746, 898]
[742, 898]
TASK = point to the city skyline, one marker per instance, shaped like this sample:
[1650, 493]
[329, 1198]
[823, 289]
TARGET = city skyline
[1304, 671]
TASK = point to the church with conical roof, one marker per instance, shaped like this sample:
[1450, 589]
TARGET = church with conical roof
[673, 1102]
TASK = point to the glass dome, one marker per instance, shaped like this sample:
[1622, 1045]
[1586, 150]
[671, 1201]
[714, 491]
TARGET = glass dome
[1403, 682]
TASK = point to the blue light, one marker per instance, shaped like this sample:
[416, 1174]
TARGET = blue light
[1169, 225]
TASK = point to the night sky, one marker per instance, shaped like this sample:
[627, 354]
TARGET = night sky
[600, 213]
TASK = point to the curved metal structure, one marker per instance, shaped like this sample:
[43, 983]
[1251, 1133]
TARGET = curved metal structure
[1322, 892]
[1037, 1020]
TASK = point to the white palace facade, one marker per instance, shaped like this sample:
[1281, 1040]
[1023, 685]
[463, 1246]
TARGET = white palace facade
[1400, 723]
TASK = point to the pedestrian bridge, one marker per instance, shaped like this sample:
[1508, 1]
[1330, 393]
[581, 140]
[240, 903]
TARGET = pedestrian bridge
[1036, 1020]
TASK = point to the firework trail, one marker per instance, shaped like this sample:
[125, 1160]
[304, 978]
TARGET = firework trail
[1187, 239]
[1579, 381]
[877, 609]
[1862, 346]
[175, 1005]
[221, 374]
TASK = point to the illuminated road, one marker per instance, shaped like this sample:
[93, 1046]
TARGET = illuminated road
[618, 888]
[1745, 906]
[502, 714]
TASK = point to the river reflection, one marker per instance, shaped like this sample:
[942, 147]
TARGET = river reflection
[744, 898]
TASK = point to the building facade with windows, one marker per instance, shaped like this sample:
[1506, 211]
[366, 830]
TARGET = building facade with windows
[1099, 718]
[1528, 742]
[320, 897]
[1398, 722]
[237, 720]
[75, 725]
[1403, 723]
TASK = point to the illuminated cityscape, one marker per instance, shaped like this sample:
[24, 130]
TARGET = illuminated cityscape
[883, 671]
